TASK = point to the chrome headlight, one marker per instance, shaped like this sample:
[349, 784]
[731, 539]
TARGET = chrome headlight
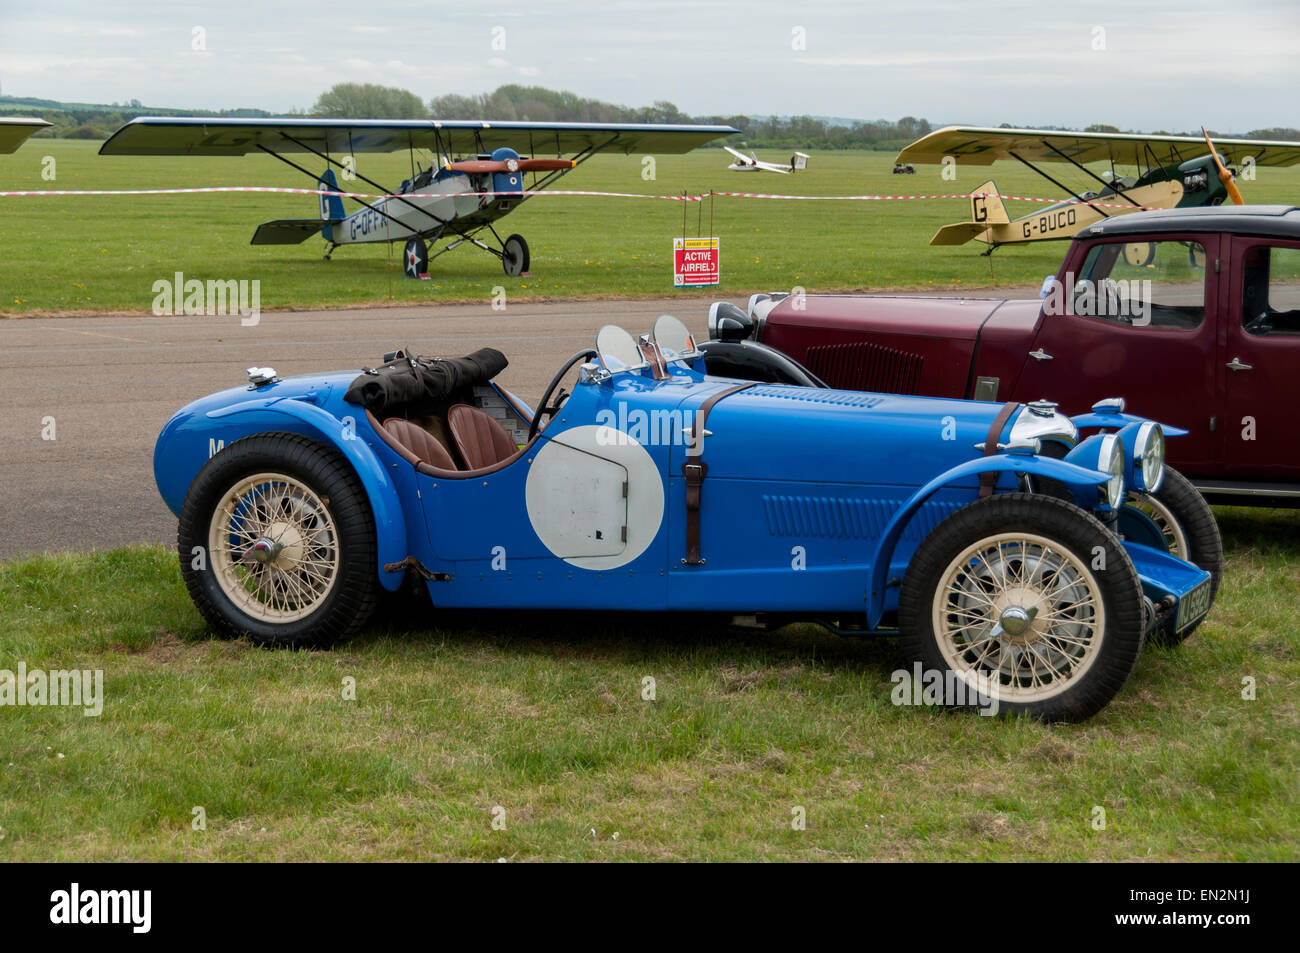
[1145, 469]
[1104, 452]
[1112, 459]
[1149, 455]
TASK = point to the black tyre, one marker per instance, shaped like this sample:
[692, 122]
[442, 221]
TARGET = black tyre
[277, 542]
[1191, 532]
[415, 258]
[514, 256]
[1028, 600]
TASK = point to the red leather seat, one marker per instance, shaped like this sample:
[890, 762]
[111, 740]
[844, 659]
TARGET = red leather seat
[423, 445]
[479, 439]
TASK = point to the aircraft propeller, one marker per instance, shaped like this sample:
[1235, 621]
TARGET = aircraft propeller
[1225, 176]
[479, 166]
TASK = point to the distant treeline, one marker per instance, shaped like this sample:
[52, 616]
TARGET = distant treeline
[96, 120]
[530, 104]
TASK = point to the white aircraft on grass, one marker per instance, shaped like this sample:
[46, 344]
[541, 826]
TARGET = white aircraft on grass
[751, 163]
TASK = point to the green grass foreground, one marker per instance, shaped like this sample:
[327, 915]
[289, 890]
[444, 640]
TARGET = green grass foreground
[544, 717]
[104, 253]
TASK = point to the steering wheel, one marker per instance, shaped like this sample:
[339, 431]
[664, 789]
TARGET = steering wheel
[545, 407]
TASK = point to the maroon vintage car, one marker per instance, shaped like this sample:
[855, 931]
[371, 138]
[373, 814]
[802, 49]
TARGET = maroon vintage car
[1192, 314]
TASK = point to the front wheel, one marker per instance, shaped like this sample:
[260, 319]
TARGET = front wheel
[277, 542]
[514, 256]
[1025, 600]
[415, 258]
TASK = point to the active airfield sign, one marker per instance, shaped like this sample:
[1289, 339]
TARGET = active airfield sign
[695, 262]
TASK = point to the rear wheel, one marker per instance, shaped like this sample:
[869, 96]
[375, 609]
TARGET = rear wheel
[1191, 533]
[277, 542]
[514, 256]
[1027, 600]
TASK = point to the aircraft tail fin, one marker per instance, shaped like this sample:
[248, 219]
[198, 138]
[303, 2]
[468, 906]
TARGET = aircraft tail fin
[331, 206]
[986, 209]
[986, 205]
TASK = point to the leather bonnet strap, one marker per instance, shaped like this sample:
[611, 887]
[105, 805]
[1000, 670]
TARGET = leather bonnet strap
[989, 480]
[694, 470]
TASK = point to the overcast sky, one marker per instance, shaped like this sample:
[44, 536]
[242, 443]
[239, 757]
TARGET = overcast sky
[1141, 64]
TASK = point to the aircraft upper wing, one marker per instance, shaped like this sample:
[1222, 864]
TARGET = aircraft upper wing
[14, 130]
[183, 135]
[738, 154]
[977, 145]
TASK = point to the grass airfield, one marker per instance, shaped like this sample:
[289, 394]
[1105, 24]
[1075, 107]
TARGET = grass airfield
[103, 253]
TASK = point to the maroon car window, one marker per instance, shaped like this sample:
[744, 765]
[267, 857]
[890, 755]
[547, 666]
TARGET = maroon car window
[1143, 284]
[1270, 290]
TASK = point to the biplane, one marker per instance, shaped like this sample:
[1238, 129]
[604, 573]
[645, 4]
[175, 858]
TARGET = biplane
[14, 131]
[1171, 172]
[752, 163]
[453, 164]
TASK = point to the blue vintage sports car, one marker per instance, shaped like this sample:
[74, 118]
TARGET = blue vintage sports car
[656, 487]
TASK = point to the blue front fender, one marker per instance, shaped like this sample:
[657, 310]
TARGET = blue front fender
[1119, 422]
[1069, 473]
[390, 526]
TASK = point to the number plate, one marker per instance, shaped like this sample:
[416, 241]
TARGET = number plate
[1193, 606]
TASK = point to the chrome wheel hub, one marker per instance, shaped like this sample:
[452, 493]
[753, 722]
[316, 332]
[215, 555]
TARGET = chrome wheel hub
[274, 548]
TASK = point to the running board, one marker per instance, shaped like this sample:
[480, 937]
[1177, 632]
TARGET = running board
[1229, 488]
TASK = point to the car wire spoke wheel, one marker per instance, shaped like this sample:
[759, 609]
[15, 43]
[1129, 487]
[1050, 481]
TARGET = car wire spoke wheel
[1027, 601]
[1160, 514]
[1020, 614]
[277, 542]
[274, 547]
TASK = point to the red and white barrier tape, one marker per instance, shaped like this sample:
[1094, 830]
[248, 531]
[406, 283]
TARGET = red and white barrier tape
[529, 193]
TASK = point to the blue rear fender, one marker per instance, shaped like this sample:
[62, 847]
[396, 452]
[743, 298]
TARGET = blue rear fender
[1015, 463]
[340, 434]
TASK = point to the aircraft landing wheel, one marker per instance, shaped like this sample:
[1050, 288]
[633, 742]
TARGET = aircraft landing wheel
[415, 259]
[514, 256]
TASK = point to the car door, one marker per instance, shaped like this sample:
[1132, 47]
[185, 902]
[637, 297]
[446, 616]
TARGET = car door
[1261, 358]
[1137, 320]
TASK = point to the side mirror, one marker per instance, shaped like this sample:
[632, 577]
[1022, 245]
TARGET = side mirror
[729, 323]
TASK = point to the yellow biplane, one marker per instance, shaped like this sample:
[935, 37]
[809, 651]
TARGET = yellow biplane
[1172, 172]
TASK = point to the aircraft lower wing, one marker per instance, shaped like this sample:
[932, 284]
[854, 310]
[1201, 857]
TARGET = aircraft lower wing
[14, 131]
[287, 231]
[199, 136]
[981, 145]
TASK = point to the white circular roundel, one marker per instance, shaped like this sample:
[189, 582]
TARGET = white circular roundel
[576, 500]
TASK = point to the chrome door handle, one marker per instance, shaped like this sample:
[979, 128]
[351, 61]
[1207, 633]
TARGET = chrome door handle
[1040, 355]
[1236, 365]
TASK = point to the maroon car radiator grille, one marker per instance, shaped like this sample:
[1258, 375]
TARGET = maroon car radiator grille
[825, 517]
[866, 366]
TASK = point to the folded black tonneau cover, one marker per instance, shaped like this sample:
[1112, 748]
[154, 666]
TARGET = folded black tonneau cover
[419, 385]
